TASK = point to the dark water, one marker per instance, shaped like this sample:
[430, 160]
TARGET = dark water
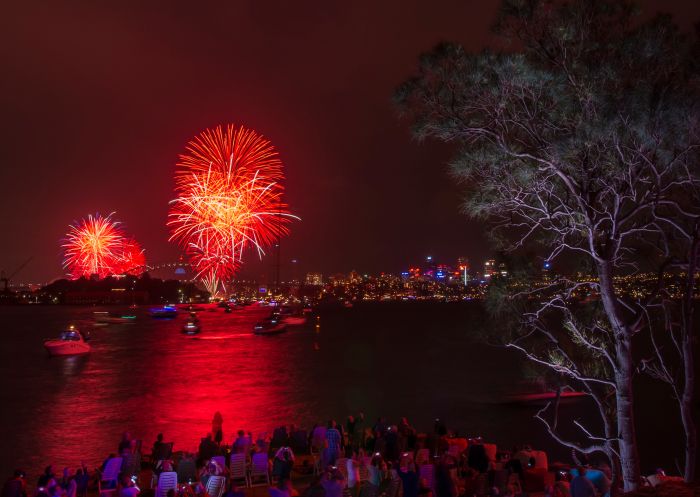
[413, 359]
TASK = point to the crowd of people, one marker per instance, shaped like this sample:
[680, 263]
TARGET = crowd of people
[351, 459]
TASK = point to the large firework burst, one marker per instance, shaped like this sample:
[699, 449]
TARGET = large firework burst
[229, 198]
[96, 245]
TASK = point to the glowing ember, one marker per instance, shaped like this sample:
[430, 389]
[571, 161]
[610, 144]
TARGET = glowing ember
[229, 198]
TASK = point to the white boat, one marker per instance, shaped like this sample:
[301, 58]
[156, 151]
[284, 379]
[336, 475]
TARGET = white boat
[291, 316]
[70, 342]
[191, 327]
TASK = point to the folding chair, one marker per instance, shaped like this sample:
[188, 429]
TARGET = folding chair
[216, 486]
[110, 476]
[237, 469]
[260, 469]
[166, 481]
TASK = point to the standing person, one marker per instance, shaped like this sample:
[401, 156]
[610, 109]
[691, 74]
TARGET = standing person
[359, 430]
[318, 438]
[217, 427]
[15, 486]
[582, 486]
[333, 439]
[409, 479]
[283, 463]
[125, 443]
[350, 430]
[444, 485]
[353, 471]
[46, 477]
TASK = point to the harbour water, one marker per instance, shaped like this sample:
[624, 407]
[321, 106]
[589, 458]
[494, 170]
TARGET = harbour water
[392, 359]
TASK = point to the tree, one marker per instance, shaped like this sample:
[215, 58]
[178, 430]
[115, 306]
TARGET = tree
[579, 140]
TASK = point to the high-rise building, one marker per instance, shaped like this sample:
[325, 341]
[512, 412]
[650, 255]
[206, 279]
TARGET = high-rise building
[314, 279]
[489, 268]
[463, 269]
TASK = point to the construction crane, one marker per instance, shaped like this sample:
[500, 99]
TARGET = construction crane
[6, 279]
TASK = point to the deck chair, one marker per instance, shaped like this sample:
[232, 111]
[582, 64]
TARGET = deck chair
[364, 469]
[110, 477]
[259, 470]
[131, 463]
[422, 456]
[427, 472]
[166, 481]
[221, 461]
[237, 469]
[216, 486]
[342, 465]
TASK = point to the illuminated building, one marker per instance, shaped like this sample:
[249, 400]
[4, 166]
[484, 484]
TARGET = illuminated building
[546, 271]
[314, 279]
[489, 268]
[463, 267]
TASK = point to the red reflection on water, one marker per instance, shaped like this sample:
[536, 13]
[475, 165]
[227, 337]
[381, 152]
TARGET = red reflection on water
[148, 378]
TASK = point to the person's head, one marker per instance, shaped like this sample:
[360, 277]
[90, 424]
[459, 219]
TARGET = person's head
[20, 474]
[581, 470]
[159, 437]
[209, 436]
[79, 472]
[241, 433]
[351, 418]
[331, 423]
[48, 470]
[126, 435]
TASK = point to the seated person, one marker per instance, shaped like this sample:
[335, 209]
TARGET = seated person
[243, 443]
[207, 448]
[186, 469]
[129, 488]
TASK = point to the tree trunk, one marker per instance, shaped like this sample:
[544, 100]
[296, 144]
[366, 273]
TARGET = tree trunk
[691, 436]
[686, 401]
[624, 371]
[629, 458]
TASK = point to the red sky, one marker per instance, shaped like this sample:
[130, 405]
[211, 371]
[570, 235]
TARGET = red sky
[99, 98]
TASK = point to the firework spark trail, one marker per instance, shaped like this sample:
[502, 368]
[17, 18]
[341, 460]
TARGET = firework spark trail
[229, 198]
[97, 245]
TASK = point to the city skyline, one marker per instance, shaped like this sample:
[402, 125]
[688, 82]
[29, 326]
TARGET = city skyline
[96, 127]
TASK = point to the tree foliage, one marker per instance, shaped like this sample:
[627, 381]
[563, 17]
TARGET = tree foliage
[582, 139]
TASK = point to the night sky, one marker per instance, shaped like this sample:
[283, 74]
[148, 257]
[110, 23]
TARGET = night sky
[98, 99]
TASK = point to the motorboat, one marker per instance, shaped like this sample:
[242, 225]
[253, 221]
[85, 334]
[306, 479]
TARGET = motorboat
[270, 326]
[70, 342]
[290, 317]
[191, 327]
[164, 312]
[102, 317]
